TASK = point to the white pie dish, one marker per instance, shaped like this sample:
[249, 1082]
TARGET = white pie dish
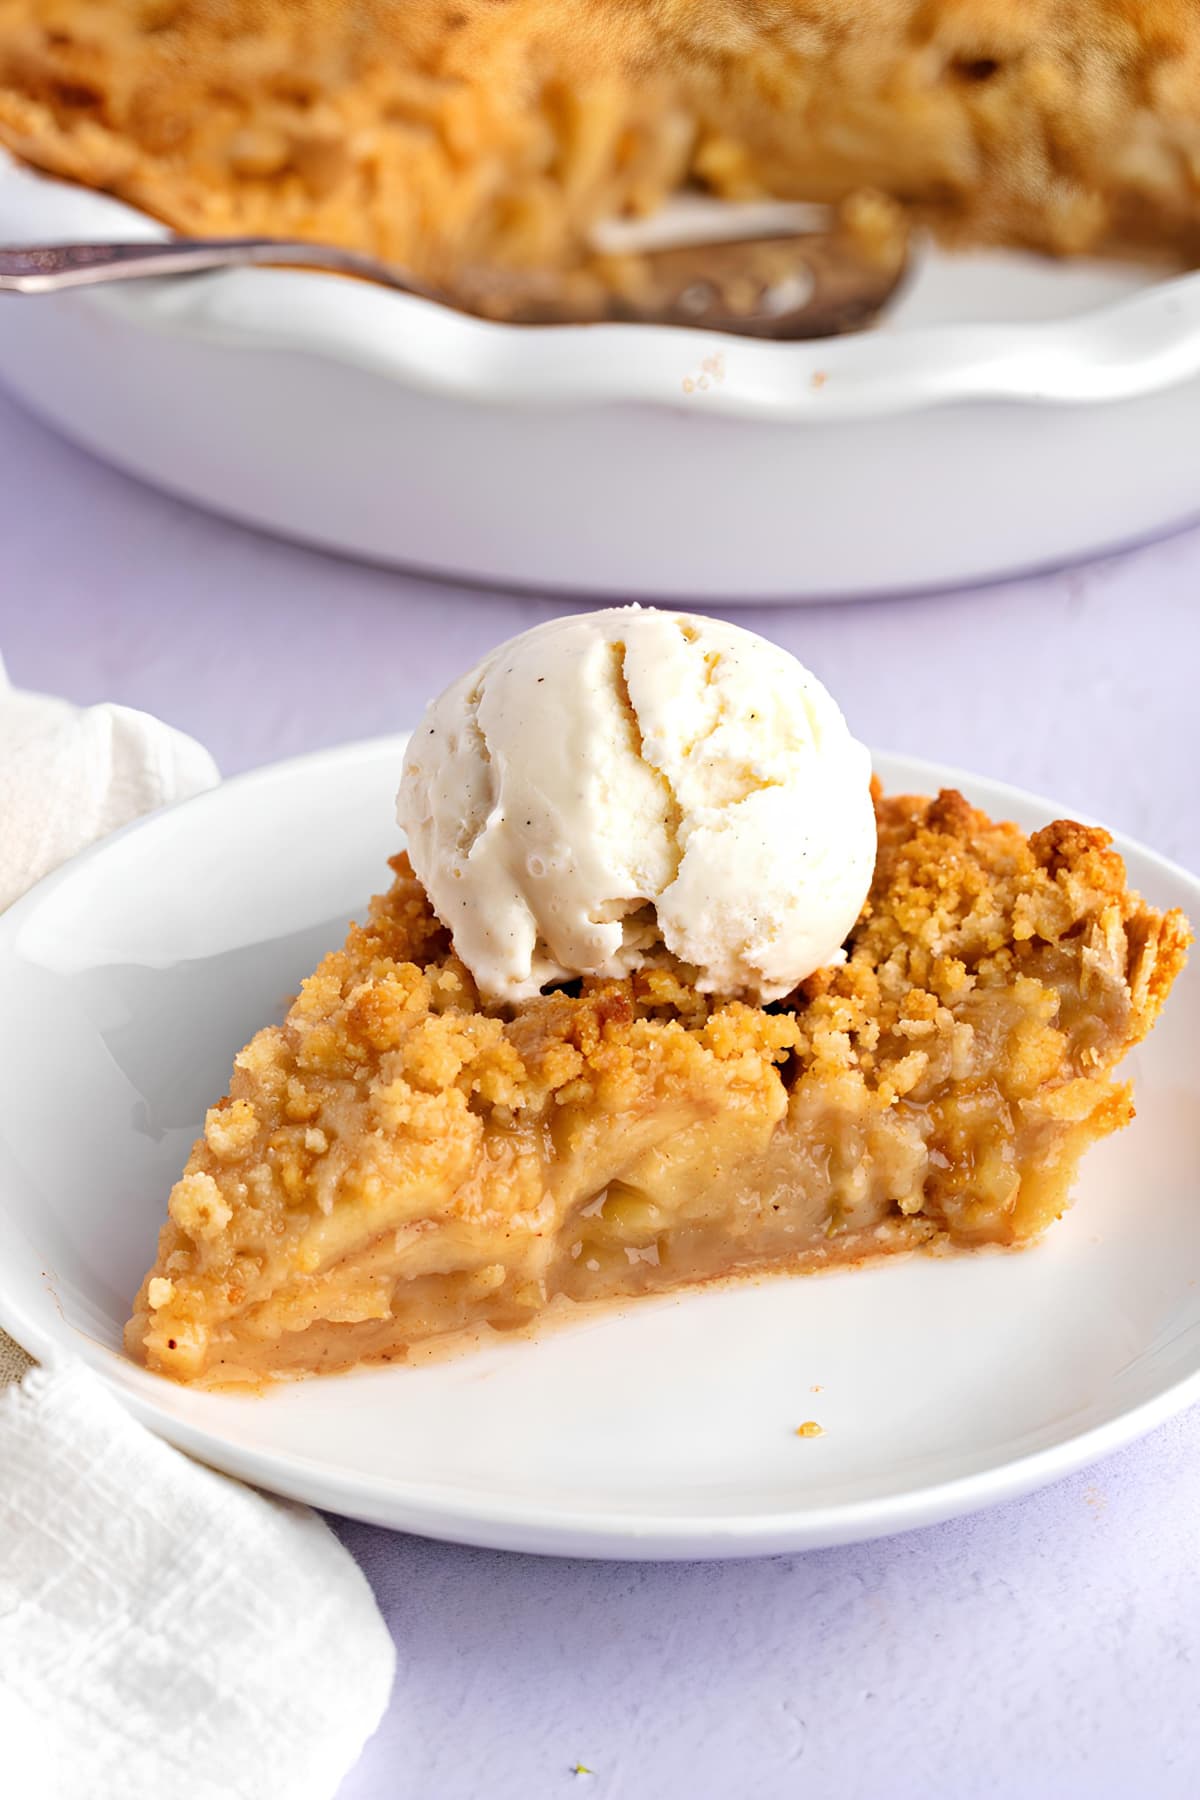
[1010, 414]
[658, 1429]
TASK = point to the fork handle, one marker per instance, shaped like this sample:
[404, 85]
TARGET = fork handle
[47, 268]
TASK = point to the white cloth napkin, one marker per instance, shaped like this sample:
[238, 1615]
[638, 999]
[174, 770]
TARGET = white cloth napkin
[69, 776]
[163, 1629]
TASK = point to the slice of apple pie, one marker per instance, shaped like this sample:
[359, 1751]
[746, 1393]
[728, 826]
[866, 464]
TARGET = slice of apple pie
[401, 1159]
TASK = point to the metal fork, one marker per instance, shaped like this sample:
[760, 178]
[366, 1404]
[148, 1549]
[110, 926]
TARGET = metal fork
[794, 285]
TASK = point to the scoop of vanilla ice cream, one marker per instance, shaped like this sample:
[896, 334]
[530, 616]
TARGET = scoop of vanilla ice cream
[620, 779]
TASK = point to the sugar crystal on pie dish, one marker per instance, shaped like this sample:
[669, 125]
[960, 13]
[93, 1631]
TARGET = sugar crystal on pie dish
[425, 1150]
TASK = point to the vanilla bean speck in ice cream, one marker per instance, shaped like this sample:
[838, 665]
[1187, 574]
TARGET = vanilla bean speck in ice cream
[616, 781]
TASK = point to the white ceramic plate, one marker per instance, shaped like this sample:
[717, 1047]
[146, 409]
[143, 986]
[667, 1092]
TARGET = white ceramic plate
[129, 979]
[1009, 414]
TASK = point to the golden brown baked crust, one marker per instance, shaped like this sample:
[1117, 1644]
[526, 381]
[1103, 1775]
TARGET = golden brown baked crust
[396, 1161]
[446, 134]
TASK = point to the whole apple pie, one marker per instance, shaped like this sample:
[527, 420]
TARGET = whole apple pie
[408, 1157]
[450, 134]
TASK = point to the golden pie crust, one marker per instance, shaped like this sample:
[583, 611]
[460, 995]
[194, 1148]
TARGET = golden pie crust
[397, 1163]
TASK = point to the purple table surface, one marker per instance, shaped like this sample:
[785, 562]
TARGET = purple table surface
[1048, 1649]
